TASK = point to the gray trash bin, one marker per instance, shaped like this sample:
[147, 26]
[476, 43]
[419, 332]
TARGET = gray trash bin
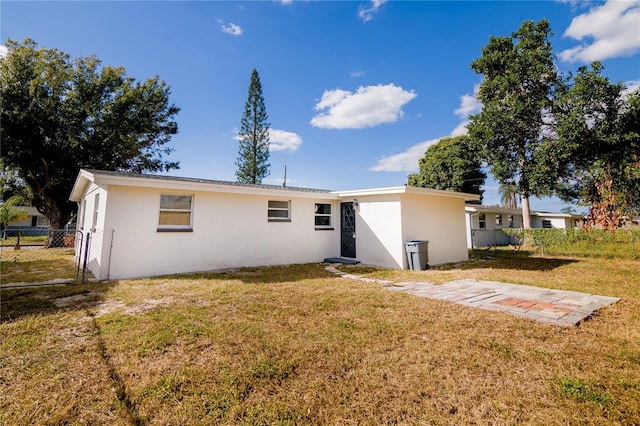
[417, 254]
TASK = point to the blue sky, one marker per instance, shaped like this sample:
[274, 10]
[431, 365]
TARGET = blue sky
[355, 90]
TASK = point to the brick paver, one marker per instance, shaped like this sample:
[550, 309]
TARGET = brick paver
[558, 307]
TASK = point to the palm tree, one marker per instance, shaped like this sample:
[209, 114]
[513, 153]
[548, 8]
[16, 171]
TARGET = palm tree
[509, 195]
[10, 213]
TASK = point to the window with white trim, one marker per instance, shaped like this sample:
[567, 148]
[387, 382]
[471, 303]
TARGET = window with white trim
[510, 220]
[83, 211]
[546, 223]
[96, 205]
[498, 220]
[175, 212]
[322, 216]
[482, 222]
[279, 211]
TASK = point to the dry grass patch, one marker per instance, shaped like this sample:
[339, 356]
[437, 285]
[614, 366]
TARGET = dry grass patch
[296, 345]
[605, 277]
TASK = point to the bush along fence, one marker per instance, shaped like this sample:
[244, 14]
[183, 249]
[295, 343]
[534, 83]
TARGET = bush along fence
[54, 256]
[622, 243]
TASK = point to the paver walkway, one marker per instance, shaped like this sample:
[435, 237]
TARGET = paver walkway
[558, 307]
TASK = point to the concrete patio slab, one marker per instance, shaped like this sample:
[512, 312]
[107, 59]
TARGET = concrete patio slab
[559, 307]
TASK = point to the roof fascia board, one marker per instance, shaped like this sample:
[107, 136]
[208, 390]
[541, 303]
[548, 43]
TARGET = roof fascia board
[80, 185]
[191, 186]
[490, 209]
[407, 190]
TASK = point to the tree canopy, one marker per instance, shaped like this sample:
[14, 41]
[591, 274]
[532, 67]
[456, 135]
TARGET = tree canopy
[253, 152]
[454, 164]
[519, 80]
[599, 126]
[60, 114]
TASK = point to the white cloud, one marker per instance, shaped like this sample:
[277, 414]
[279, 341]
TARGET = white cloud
[285, 2]
[606, 31]
[460, 129]
[366, 13]
[407, 161]
[631, 86]
[3, 51]
[469, 104]
[356, 74]
[280, 140]
[367, 107]
[232, 29]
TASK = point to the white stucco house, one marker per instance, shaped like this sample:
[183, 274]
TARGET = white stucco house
[35, 219]
[162, 225]
[484, 223]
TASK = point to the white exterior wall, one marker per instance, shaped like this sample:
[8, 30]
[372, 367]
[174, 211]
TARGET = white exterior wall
[490, 220]
[99, 250]
[439, 220]
[556, 222]
[490, 235]
[230, 227]
[229, 230]
[385, 222]
[379, 231]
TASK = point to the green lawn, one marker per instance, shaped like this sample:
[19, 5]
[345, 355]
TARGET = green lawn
[34, 265]
[297, 345]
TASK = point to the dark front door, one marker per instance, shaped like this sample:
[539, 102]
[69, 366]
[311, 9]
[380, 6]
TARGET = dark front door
[347, 230]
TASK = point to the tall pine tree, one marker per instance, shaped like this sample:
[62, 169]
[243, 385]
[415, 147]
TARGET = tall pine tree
[253, 153]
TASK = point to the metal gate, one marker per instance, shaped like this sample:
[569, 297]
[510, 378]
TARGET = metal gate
[95, 255]
[36, 255]
[41, 256]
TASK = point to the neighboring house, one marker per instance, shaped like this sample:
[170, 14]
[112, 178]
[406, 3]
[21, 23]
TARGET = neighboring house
[485, 224]
[35, 224]
[163, 225]
[35, 219]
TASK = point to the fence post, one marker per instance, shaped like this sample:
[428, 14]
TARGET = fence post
[86, 257]
[77, 234]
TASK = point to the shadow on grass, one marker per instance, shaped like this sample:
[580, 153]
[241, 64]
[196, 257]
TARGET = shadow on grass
[261, 274]
[18, 302]
[507, 259]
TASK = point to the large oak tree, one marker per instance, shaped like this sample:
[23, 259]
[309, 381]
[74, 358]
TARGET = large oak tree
[519, 80]
[60, 114]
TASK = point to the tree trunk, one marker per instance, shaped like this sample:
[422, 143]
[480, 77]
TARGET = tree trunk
[56, 230]
[526, 220]
[526, 211]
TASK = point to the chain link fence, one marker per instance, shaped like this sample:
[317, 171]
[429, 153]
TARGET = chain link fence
[96, 254]
[36, 256]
